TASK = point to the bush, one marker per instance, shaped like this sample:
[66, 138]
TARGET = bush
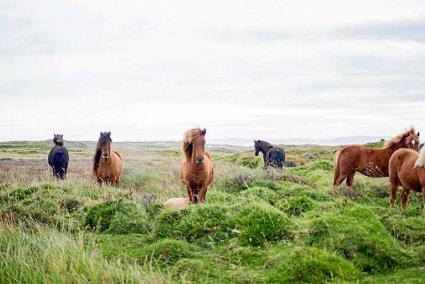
[358, 235]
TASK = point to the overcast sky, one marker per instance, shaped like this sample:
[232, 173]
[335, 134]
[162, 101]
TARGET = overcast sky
[148, 70]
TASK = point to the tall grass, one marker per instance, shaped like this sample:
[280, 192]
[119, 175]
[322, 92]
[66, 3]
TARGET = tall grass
[258, 226]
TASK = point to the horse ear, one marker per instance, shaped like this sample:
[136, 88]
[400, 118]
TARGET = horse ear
[109, 133]
[204, 132]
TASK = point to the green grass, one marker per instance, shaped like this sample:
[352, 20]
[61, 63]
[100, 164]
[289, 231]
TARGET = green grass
[258, 226]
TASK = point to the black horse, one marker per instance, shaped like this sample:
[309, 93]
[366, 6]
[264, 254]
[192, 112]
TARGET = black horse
[59, 158]
[272, 156]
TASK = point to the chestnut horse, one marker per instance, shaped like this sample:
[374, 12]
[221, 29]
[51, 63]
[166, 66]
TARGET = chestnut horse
[108, 165]
[368, 161]
[407, 168]
[196, 170]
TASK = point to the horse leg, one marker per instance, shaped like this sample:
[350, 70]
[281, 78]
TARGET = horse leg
[349, 180]
[203, 192]
[189, 193]
[394, 183]
[338, 179]
[405, 198]
[265, 161]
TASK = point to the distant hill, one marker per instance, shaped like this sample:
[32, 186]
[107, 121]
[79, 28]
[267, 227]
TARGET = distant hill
[301, 141]
[244, 142]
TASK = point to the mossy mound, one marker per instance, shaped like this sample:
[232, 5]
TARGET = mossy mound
[199, 271]
[167, 252]
[41, 203]
[260, 223]
[407, 229]
[117, 217]
[324, 165]
[246, 255]
[202, 223]
[252, 223]
[312, 265]
[297, 205]
[245, 160]
[357, 234]
[264, 193]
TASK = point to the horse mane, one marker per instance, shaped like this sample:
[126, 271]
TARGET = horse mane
[103, 139]
[420, 162]
[96, 160]
[188, 138]
[266, 144]
[396, 140]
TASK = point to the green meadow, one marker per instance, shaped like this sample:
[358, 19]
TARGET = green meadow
[257, 226]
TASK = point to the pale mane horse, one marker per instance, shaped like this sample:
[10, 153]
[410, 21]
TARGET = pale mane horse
[196, 170]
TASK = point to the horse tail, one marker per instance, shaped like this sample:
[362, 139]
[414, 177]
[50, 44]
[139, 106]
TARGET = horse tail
[336, 166]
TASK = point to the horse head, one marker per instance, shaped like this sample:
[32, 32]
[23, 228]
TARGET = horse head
[408, 139]
[412, 141]
[198, 147]
[58, 139]
[257, 146]
[104, 144]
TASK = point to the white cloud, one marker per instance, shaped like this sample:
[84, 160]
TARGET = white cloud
[148, 70]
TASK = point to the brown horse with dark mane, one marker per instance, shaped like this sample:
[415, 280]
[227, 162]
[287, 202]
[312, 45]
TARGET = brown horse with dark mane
[368, 161]
[407, 168]
[108, 165]
[196, 170]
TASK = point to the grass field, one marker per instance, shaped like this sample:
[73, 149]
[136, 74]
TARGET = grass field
[257, 226]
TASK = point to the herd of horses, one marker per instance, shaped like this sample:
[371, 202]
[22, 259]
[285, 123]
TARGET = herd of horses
[398, 159]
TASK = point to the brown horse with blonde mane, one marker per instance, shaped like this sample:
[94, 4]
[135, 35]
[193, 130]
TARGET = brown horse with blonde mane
[196, 170]
[108, 165]
[407, 168]
[369, 161]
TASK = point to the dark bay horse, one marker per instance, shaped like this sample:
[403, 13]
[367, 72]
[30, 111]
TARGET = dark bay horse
[369, 161]
[407, 168]
[58, 157]
[196, 170]
[272, 156]
[108, 165]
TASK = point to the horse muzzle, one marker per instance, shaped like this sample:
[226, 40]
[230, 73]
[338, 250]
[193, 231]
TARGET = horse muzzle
[199, 161]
